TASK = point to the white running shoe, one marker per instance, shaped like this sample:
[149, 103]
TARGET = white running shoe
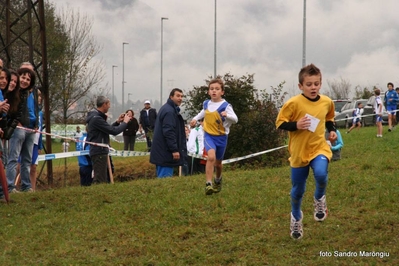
[320, 209]
[296, 227]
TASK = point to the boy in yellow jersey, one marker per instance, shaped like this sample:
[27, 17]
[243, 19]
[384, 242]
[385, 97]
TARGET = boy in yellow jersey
[218, 117]
[305, 117]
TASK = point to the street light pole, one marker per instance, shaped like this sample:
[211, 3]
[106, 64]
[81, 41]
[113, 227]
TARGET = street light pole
[128, 97]
[162, 19]
[113, 93]
[304, 35]
[123, 75]
[214, 58]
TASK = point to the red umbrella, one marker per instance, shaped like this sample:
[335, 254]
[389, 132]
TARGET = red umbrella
[4, 181]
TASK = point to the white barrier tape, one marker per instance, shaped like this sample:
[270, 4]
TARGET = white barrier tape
[251, 155]
[139, 138]
[351, 117]
[361, 116]
[66, 138]
[128, 153]
[61, 155]
[227, 161]
[53, 156]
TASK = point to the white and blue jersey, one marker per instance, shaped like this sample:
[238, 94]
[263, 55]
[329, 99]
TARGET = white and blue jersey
[357, 115]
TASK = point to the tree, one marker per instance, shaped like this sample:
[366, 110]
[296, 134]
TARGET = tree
[76, 70]
[255, 130]
[364, 93]
[71, 50]
[339, 89]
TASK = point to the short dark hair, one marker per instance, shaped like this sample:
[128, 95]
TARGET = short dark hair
[172, 93]
[309, 70]
[390, 83]
[377, 92]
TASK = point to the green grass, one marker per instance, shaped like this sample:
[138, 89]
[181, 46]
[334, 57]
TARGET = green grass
[172, 222]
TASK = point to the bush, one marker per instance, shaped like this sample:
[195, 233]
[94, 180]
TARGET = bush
[255, 130]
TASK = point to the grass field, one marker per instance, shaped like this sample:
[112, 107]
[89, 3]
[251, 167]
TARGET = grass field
[172, 222]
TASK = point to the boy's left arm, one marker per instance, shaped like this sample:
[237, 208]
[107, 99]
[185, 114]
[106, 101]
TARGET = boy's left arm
[229, 114]
[332, 130]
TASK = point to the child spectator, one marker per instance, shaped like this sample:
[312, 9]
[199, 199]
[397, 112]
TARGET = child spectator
[195, 145]
[336, 145]
[357, 117]
[378, 112]
[85, 166]
[65, 146]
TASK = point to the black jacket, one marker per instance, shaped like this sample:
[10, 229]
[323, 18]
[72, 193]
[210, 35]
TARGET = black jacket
[131, 128]
[22, 115]
[169, 136]
[98, 131]
[152, 116]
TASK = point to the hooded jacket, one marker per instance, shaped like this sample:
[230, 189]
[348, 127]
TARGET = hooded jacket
[169, 136]
[98, 131]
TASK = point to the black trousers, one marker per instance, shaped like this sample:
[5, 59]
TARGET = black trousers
[100, 163]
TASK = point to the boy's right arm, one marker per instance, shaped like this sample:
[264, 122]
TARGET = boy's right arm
[197, 117]
[303, 123]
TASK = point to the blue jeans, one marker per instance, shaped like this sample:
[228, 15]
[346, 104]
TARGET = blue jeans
[299, 176]
[21, 144]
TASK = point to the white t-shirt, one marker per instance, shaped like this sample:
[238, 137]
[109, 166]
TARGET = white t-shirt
[377, 105]
[230, 118]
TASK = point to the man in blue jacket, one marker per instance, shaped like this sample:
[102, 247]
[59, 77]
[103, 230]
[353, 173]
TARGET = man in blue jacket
[98, 132]
[169, 147]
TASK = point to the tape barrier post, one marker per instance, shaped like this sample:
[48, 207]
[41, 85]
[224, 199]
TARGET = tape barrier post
[111, 176]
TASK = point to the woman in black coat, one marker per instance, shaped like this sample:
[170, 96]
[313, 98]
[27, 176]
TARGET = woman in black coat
[129, 134]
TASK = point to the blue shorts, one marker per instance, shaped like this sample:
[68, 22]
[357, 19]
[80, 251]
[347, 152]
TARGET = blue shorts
[217, 143]
[391, 109]
[378, 119]
[355, 121]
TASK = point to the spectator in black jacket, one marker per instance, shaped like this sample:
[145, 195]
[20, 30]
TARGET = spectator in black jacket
[98, 132]
[129, 134]
[169, 147]
[147, 119]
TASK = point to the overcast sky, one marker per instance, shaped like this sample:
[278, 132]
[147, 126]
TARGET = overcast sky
[357, 40]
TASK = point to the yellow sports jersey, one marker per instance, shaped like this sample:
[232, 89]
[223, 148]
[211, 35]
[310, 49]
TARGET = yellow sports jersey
[213, 123]
[305, 145]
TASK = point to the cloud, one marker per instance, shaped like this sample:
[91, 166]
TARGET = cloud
[352, 39]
